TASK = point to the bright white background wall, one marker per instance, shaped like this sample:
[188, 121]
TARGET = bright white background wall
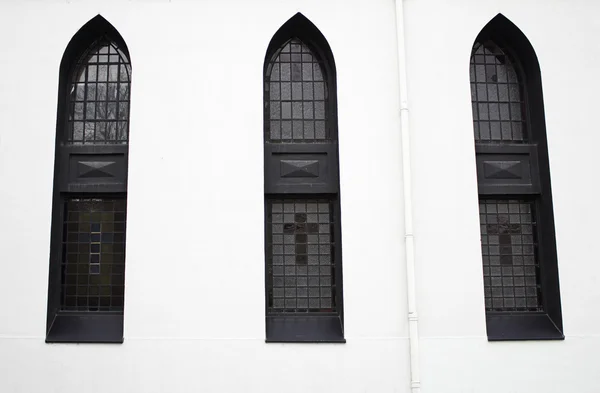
[456, 356]
[194, 318]
[194, 312]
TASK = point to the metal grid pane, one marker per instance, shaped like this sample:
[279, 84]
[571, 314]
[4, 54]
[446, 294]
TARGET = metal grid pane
[99, 97]
[509, 248]
[300, 261]
[498, 106]
[93, 257]
[296, 96]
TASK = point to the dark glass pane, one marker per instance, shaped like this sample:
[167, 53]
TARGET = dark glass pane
[496, 95]
[509, 248]
[300, 266]
[295, 81]
[103, 90]
[97, 252]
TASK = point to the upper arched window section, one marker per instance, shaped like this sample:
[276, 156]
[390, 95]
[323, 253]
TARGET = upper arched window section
[297, 95]
[497, 95]
[99, 95]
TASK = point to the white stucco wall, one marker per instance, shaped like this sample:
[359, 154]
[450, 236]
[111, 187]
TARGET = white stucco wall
[455, 354]
[194, 312]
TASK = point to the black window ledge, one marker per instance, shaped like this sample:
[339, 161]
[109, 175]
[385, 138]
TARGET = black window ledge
[305, 329]
[523, 326]
[86, 328]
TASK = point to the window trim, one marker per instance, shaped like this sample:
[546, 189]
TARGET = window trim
[306, 328]
[78, 326]
[546, 325]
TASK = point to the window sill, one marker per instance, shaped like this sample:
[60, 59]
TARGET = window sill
[304, 329]
[522, 326]
[85, 327]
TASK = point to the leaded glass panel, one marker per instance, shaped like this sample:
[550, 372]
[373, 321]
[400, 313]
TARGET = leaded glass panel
[99, 96]
[300, 259]
[496, 95]
[509, 248]
[93, 258]
[296, 96]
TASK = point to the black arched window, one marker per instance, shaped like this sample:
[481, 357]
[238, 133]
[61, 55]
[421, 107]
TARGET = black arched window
[303, 233]
[87, 260]
[522, 298]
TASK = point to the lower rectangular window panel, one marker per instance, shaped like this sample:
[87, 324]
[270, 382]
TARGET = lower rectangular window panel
[513, 284]
[510, 263]
[93, 260]
[92, 268]
[302, 290]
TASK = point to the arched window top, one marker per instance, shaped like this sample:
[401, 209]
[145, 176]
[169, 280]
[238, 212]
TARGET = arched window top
[497, 95]
[103, 51]
[301, 28]
[297, 95]
[299, 85]
[99, 95]
[297, 53]
[95, 77]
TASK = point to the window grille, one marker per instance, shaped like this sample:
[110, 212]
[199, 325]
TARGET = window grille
[510, 263]
[498, 108]
[99, 96]
[509, 247]
[300, 264]
[520, 272]
[302, 214]
[94, 262]
[297, 96]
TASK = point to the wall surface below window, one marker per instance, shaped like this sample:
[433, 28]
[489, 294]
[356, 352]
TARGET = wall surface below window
[194, 297]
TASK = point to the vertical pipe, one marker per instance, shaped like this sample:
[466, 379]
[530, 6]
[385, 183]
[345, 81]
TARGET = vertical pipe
[413, 319]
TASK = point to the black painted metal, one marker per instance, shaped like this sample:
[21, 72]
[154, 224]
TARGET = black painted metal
[86, 328]
[519, 247]
[87, 256]
[302, 224]
[305, 329]
[522, 326]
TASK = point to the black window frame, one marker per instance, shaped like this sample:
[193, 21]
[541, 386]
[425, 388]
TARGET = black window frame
[81, 326]
[529, 325]
[308, 327]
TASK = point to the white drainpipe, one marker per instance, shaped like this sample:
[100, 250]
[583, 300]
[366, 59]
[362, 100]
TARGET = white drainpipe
[413, 319]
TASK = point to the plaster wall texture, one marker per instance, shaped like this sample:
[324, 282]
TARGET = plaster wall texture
[194, 300]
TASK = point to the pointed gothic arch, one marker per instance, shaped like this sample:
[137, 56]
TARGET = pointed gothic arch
[522, 297]
[87, 255]
[302, 193]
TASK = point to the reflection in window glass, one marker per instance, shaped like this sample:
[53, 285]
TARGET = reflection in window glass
[99, 96]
